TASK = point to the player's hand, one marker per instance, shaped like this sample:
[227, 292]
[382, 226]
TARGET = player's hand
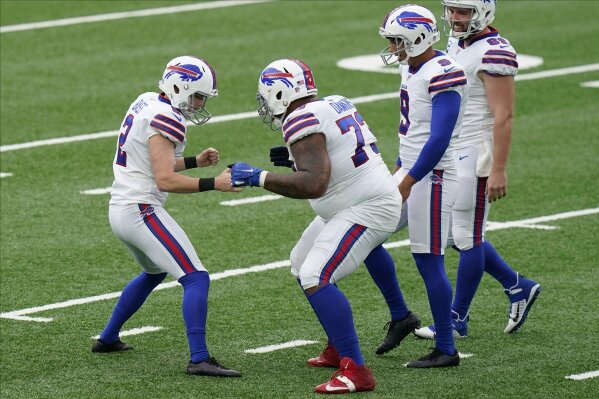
[405, 187]
[243, 174]
[279, 156]
[496, 186]
[208, 157]
[222, 182]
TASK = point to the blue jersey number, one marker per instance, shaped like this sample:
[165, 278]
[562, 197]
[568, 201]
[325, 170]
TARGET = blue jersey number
[404, 125]
[121, 156]
[355, 121]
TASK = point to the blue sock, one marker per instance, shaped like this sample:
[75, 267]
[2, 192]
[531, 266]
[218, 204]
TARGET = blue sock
[195, 309]
[133, 296]
[496, 267]
[382, 270]
[335, 315]
[470, 272]
[438, 289]
[329, 342]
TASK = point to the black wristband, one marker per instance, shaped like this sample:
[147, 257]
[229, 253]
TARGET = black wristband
[206, 184]
[190, 162]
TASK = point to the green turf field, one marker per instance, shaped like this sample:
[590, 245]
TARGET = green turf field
[57, 245]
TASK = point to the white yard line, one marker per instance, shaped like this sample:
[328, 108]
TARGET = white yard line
[251, 200]
[284, 345]
[97, 191]
[125, 14]
[583, 376]
[3, 174]
[22, 313]
[253, 114]
[135, 331]
[558, 72]
[594, 84]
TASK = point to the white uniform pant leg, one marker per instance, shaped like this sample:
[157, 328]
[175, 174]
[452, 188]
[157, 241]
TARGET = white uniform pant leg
[336, 252]
[305, 244]
[154, 239]
[429, 211]
[469, 214]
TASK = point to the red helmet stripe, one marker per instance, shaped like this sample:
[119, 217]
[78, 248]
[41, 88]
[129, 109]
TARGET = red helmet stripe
[183, 70]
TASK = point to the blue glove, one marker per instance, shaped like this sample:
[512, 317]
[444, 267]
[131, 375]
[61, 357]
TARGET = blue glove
[279, 156]
[243, 174]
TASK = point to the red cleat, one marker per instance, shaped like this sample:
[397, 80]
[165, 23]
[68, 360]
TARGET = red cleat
[328, 358]
[349, 378]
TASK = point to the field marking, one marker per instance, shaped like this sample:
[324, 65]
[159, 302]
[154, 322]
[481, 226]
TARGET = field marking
[22, 313]
[373, 63]
[583, 376]
[97, 191]
[252, 200]
[593, 84]
[135, 331]
[3, 175]
[252, 114]
[284, 345]
[558, 72]
[126, 14]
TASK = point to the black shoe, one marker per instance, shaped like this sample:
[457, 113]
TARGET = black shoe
[212, 368]
[117, 346]
[397, 331]
[436, 359]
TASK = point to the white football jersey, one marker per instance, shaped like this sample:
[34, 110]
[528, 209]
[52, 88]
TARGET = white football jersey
[358, 172]
[494, 55]
[418, 88]
[134, 181]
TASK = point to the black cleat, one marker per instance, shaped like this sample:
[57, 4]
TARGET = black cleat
[397, 331]
[211, 368]
[436, 359]
[117, 346]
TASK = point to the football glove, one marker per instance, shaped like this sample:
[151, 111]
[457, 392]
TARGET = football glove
[243, 174]
[279, 156]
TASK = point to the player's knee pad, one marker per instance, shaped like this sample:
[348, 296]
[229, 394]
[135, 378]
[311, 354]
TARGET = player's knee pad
[308, 279]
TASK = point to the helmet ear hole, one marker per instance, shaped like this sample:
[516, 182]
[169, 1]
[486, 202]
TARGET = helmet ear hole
[279, 95]
[176, 88]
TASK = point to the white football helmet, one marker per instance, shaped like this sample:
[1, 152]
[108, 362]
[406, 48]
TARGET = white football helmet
[184, 78]
[280, 83]
[483, 13]
[414, 29]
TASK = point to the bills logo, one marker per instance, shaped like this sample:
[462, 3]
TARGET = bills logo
[436, 180]
[270, 75]
[186, 72]
[411, 20]
[146, 212]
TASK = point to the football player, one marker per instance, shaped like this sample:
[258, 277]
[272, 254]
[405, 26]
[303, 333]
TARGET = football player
[482, 150]
[338, 168]
[433, 94]
[149, 154]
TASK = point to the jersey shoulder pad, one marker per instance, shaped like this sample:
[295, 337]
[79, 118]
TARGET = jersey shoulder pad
[499, 57]
[447, 74]
[301, 122]
[168, 123]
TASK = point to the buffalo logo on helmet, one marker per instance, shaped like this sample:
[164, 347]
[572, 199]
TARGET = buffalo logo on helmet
[411, 20]
[186, 72]
[270, 75]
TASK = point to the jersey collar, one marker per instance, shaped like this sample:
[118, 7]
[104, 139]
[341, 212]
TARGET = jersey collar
[413, 70]
[162, 98]
[493, 32]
